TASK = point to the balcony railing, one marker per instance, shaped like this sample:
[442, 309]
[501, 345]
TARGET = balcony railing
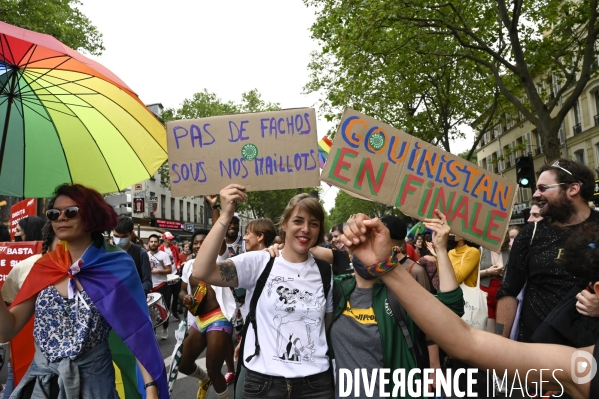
[508, 164]
[538, 151]
[577, 129]
[597, 120]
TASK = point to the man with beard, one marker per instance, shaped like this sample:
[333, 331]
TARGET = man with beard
[563, 191]
[235, 243]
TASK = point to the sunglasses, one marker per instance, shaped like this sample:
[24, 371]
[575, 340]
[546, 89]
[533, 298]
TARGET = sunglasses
[70, 213]
[544, 187]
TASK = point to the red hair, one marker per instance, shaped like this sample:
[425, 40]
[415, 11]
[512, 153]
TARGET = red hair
[97, 215]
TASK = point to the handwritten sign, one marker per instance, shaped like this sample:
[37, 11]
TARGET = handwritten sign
[261, 151]
[384, 164]
[21, 210]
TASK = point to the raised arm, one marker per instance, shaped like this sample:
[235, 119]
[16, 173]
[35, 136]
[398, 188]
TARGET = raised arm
[13, 320]
[368, 240]
[221, 274]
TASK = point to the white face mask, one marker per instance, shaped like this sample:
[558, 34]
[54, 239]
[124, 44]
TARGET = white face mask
[121, 242]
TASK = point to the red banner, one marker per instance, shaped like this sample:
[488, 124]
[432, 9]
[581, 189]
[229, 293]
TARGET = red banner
[21, 210]
[12, 253]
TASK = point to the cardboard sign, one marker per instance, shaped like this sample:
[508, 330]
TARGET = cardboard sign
[21, 210]
[12, 253]
[261, 151]
[379, 162]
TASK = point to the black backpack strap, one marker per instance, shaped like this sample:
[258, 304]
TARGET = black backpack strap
[326, 271]
[251, 317]
[400, 316]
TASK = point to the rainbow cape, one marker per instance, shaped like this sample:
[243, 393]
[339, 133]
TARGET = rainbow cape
[324, 147]
[110, 278]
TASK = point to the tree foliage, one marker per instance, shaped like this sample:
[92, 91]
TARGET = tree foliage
[204, 104]
[59, 18]
[346, 205]
[377, 55]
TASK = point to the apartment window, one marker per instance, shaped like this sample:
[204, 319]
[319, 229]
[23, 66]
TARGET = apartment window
[597, 108]
[189, 211]
[172, 208]
[577, 126]
[539, 147]
[579, 156]
[181, 210]
[519, 142]
[528, 142]
[195, 213]
[151, 206]
[163, 206]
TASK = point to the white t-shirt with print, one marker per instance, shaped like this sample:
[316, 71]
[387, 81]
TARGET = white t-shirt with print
[290, 316]
[159, 261]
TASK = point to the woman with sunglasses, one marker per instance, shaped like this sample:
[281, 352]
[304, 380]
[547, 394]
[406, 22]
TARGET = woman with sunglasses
[77, 294]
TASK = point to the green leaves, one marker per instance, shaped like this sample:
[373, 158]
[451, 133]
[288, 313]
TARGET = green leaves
[430, 67]
[59, 18]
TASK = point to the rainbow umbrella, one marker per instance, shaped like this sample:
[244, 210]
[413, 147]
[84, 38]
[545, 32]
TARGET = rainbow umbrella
[66, 119]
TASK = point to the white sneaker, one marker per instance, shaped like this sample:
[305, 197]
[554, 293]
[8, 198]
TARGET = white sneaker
[164, 334]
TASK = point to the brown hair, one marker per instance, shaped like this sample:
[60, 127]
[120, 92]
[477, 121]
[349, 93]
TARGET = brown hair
[263, 227]
[309, 204]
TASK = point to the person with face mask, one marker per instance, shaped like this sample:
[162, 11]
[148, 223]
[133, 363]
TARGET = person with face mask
[29, 229]
[122, 239]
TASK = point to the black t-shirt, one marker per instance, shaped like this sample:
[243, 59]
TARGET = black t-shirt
[341, 263]
[534, 264]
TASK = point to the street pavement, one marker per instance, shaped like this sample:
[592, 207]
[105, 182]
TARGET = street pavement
[186, 387]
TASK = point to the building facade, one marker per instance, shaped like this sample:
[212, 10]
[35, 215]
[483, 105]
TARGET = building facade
[516, 136]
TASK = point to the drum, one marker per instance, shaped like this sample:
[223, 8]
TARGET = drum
[158, 311]
[172, 279]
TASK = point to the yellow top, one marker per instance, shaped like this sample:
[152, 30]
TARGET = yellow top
[465, 261]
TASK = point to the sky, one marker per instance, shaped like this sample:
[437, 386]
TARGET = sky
[168, 50]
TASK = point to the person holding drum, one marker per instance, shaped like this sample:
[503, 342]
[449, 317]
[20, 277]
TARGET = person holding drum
[161, 266]
[76, 294]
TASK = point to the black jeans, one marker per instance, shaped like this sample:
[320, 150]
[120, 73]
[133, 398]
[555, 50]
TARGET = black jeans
[317, 386]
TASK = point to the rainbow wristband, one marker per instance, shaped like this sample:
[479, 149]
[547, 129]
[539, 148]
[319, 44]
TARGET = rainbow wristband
[377, 269]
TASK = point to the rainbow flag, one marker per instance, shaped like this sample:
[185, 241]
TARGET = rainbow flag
[110, 278]
[324, 147]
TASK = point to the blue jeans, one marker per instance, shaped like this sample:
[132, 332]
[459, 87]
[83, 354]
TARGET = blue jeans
[91, 376]
[317, 386]
[10, 382]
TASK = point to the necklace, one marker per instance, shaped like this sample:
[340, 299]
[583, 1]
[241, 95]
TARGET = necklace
[302, 269]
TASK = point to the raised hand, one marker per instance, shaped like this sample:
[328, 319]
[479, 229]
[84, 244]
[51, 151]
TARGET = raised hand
[211, 199]
[229, 196]
[440, 230]
[368, 239]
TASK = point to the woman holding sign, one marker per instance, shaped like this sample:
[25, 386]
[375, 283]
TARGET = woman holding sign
[290, 301]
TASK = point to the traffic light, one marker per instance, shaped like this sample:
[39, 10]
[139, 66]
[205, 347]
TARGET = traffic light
[525, 172]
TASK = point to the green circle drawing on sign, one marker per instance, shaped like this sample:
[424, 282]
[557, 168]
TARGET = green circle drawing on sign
[377, 141]
[249, 152]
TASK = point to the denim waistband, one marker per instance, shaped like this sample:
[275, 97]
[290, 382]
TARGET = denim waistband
[312, 377]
